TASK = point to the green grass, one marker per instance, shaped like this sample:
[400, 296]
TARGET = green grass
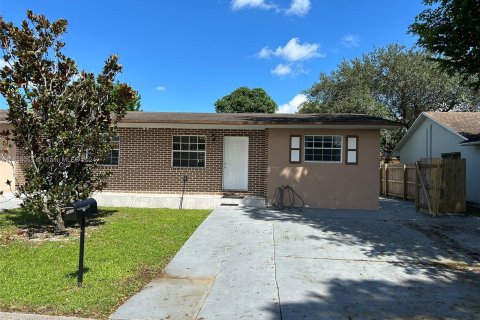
[125, 248]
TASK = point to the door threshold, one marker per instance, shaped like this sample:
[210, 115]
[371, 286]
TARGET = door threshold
[232, 196]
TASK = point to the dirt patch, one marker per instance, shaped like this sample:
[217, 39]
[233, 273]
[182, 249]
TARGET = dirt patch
[458, 266]
[40, 235]
[439, 234]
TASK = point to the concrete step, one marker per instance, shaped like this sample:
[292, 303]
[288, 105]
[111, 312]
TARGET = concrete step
[244, 201]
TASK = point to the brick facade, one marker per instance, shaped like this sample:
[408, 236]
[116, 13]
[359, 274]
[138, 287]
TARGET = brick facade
[146, 155]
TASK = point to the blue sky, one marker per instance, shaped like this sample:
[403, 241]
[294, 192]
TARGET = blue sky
[183, 55]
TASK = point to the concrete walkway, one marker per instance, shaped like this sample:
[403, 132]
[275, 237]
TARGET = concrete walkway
[320, 264]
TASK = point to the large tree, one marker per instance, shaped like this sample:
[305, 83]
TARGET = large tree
[245, 99]
[392, 82]
[450, 29]
[63, 119]
[134, 104]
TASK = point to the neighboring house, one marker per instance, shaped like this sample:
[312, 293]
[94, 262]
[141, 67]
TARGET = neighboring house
[446, 134]
[331, 161]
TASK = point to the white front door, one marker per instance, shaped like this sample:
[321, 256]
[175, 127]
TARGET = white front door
[235, 163]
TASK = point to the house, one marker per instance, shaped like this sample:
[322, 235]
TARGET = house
[330, 160]
[446, 134]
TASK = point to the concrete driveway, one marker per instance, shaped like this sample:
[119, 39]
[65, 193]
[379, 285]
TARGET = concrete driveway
[320, 264]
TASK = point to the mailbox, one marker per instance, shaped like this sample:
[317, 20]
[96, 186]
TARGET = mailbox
[79, 209]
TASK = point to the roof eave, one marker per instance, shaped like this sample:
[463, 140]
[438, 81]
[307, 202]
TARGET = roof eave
[409, 132]
[469, 143]
[254, 125]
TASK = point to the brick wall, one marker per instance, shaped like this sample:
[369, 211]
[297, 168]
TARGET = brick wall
[145, 162]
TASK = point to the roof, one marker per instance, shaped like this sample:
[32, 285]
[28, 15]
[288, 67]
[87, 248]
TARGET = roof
[254, 118]
[466, 125]
[250, 119]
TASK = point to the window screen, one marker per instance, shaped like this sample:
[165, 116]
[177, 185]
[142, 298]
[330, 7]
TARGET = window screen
[188, 151]
[323, 148]
[113, 157]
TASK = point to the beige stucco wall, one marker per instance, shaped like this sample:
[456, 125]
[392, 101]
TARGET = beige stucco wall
[326, 185]
[6, 173]
[6, 169]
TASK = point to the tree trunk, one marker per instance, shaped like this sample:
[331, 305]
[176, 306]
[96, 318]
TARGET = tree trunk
[59, 223]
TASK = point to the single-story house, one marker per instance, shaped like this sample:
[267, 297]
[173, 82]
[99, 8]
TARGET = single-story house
[330, 160]
[446, 134]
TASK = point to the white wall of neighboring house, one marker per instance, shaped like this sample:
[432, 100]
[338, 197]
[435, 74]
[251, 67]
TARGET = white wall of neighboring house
[431, 140]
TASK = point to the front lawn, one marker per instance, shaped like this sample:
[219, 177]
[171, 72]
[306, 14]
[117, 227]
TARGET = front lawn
[124, 249]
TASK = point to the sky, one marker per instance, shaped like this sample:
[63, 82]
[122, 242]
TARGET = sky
[184, 55]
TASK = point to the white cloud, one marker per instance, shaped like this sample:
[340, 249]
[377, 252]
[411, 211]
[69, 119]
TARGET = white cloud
[350, 41]
[160, 88]
[299, 7]
[282, 69]
[292, 105]
[293, 51]
[261, 4]
[264, 53]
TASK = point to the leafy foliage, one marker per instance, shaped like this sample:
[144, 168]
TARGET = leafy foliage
[134, 104]
[451, 30]
[59, 114]
[245, 99]
[392, 82]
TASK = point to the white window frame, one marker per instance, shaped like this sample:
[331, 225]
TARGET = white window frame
[204, 151]
[322, 135]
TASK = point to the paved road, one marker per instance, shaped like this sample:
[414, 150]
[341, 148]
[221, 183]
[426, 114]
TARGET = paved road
[320, 264]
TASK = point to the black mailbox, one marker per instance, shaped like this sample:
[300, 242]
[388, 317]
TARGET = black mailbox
[79, 209]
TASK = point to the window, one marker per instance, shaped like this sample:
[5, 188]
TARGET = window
[188, 151]
[352, 150]
[112, 158]
[295, 143]
[323, 148]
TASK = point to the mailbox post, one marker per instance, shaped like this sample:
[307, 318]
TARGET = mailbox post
[78, 211]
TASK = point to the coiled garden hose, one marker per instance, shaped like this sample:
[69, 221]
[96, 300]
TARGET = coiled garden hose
[286, 198]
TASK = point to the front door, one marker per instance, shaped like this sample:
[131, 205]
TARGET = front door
[235, 163]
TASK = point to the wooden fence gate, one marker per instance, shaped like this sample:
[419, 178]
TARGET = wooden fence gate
[436, 184]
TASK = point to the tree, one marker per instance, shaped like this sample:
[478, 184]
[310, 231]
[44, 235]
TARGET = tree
[246, 100]
[134, 104]
[394, 83]
[60, 115]
[450, 29]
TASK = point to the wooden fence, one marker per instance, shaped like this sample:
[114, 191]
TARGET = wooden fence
[398, 180]
[436, 185]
